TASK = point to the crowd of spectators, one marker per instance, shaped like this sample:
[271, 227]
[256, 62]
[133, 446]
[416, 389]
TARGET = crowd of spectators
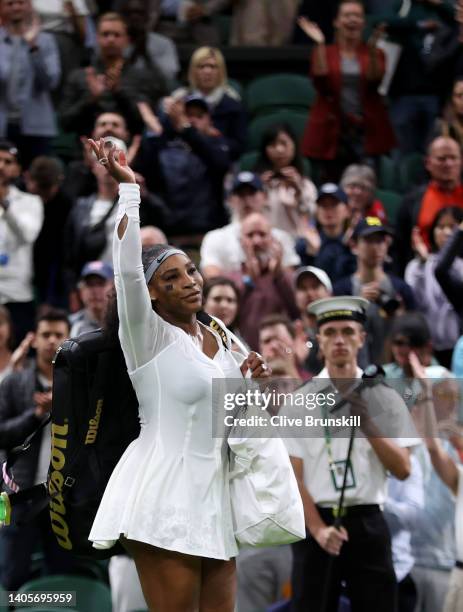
[303, 214]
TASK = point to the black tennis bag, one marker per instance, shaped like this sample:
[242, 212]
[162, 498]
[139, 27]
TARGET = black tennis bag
[94, 419]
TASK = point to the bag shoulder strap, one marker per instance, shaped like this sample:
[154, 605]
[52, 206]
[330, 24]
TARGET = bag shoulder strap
[101, 223]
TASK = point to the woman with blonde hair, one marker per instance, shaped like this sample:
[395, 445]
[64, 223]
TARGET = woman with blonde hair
[207, 77]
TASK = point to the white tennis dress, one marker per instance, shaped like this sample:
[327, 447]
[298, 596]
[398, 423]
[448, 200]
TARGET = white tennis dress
[171, 487]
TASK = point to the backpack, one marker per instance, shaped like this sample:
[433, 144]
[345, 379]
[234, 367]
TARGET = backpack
[93, 420]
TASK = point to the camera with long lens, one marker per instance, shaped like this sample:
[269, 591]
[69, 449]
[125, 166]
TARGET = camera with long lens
[388, 303]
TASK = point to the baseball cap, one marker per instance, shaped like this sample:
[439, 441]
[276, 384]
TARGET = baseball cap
[97, 268]
[247, 179]
[195, 99]
[320, 274]
[369, 226]
[332, 190]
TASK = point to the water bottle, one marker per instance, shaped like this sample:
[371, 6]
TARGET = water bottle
[5, 510]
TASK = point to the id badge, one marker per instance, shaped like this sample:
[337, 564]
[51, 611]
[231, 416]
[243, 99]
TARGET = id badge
[337, 469]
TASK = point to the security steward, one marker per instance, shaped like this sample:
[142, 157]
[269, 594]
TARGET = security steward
[357, 552]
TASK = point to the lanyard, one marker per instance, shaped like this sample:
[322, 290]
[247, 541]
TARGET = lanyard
[342, 473]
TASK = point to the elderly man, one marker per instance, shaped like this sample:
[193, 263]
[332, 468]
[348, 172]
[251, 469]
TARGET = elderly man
[419, 208]
[221, 250]
[265, 282]
[356, 547]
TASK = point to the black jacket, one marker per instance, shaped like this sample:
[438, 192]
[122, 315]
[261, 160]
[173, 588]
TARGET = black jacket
[187, 169]
[451, 285]
[153, 211]
[18, 421]
[407, 218]
[78, 109]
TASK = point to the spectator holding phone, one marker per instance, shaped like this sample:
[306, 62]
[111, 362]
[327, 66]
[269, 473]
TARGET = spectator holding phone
[290, 195]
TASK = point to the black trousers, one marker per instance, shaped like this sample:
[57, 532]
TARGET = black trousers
[407, 594]
[365, 565]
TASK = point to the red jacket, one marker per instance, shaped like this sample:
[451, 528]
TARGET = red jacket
[322, 131]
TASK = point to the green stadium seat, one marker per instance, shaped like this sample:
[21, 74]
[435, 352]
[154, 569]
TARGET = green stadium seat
[271, 93]
[412, 171]
[259, 125]
[91, 595]
[391, 201]
[66, 146]
[223, 23]
[236, 85]
[387, 174]
[248, 161]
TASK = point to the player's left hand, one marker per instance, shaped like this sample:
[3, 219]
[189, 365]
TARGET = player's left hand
[256, 364]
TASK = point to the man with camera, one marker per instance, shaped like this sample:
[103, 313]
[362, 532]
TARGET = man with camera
[342, 472]
[388, 294]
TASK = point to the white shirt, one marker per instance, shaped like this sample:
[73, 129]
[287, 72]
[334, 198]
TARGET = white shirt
[54, 16]
[19, 227]
[369, 473]
[222, 248]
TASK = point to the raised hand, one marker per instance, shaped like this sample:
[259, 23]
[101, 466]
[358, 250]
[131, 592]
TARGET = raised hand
[33, 30]
[313, 239]
[370, 291]
[300, 342]
[312, 30]
[19, 356]
[149, 118]
[419, 245]
[96, 83]
[276, 257]
[114, 160]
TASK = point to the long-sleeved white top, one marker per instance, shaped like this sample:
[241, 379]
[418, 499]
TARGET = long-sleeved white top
[170, 488]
